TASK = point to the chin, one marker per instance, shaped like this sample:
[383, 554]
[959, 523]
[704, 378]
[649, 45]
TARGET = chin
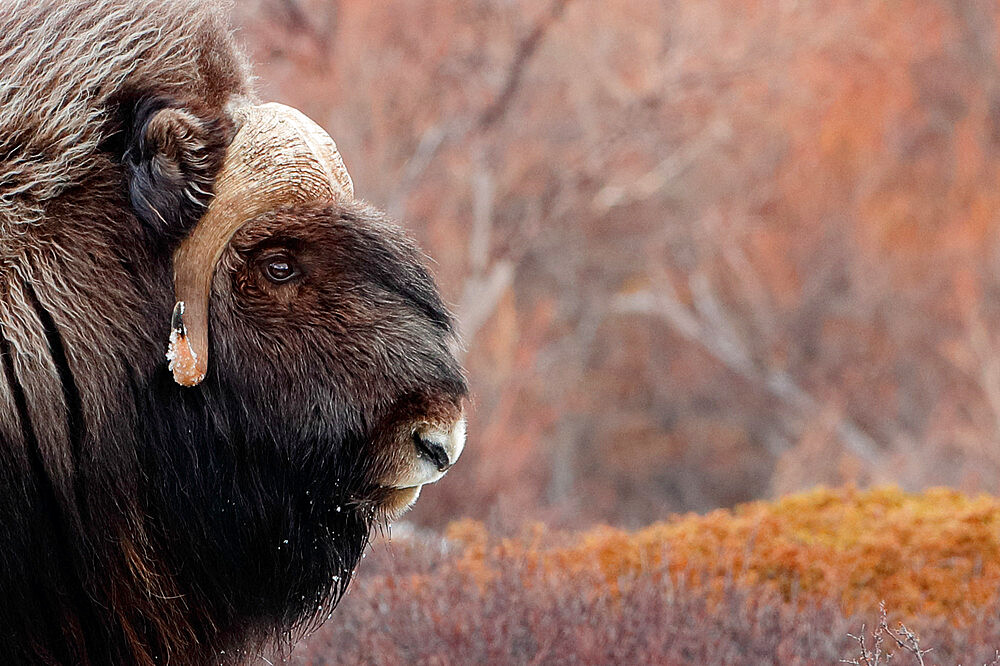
[397, 502]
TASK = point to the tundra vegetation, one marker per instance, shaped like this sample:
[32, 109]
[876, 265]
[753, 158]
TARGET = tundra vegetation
[702, 253]
[795, 581]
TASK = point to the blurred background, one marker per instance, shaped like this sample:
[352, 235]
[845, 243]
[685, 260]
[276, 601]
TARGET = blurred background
[701, 252]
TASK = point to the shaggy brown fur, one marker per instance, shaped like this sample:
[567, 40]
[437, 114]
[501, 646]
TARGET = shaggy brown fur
[141, 522]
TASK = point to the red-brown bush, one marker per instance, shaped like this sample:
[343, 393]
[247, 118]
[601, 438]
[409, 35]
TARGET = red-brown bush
[777, 583]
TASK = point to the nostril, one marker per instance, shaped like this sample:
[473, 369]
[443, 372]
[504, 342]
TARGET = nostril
[432, 451]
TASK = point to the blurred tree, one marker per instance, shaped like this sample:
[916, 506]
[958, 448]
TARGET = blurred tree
[701, 252]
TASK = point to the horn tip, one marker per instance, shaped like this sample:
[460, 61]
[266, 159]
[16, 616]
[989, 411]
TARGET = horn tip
[182, 360]
[177, 320]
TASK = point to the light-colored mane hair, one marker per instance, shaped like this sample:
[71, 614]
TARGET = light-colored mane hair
[62, 66]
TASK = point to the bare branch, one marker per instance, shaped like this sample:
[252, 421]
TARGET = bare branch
[414, 168]
[481, 297]
[525, 50]
[651, 183]
[486, 284]
[709, 328]
[482, 221]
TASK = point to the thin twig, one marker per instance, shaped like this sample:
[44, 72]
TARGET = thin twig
[525, 50]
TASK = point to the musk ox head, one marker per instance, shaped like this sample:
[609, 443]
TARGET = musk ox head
[318, 292]
[189, 506]
[311, 353]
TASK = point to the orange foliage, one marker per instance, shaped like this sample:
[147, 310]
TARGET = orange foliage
[931, 554]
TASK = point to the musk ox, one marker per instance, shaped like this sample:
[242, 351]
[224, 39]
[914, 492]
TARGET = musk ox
[218, 370]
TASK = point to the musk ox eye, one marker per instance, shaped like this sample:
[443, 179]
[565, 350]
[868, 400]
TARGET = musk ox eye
[280, 269]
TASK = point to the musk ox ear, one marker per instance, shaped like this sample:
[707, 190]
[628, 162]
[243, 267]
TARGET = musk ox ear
[171, 158]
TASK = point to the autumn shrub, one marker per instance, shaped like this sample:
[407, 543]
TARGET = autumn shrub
[768, 582]
[930, 554]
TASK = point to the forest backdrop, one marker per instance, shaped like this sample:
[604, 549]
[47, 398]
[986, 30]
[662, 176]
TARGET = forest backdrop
[701, 252]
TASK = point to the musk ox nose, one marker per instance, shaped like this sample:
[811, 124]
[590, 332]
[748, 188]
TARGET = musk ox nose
[432, 450]
[441, 447]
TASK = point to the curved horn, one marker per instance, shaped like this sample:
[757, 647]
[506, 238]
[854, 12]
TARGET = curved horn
[278, 157]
